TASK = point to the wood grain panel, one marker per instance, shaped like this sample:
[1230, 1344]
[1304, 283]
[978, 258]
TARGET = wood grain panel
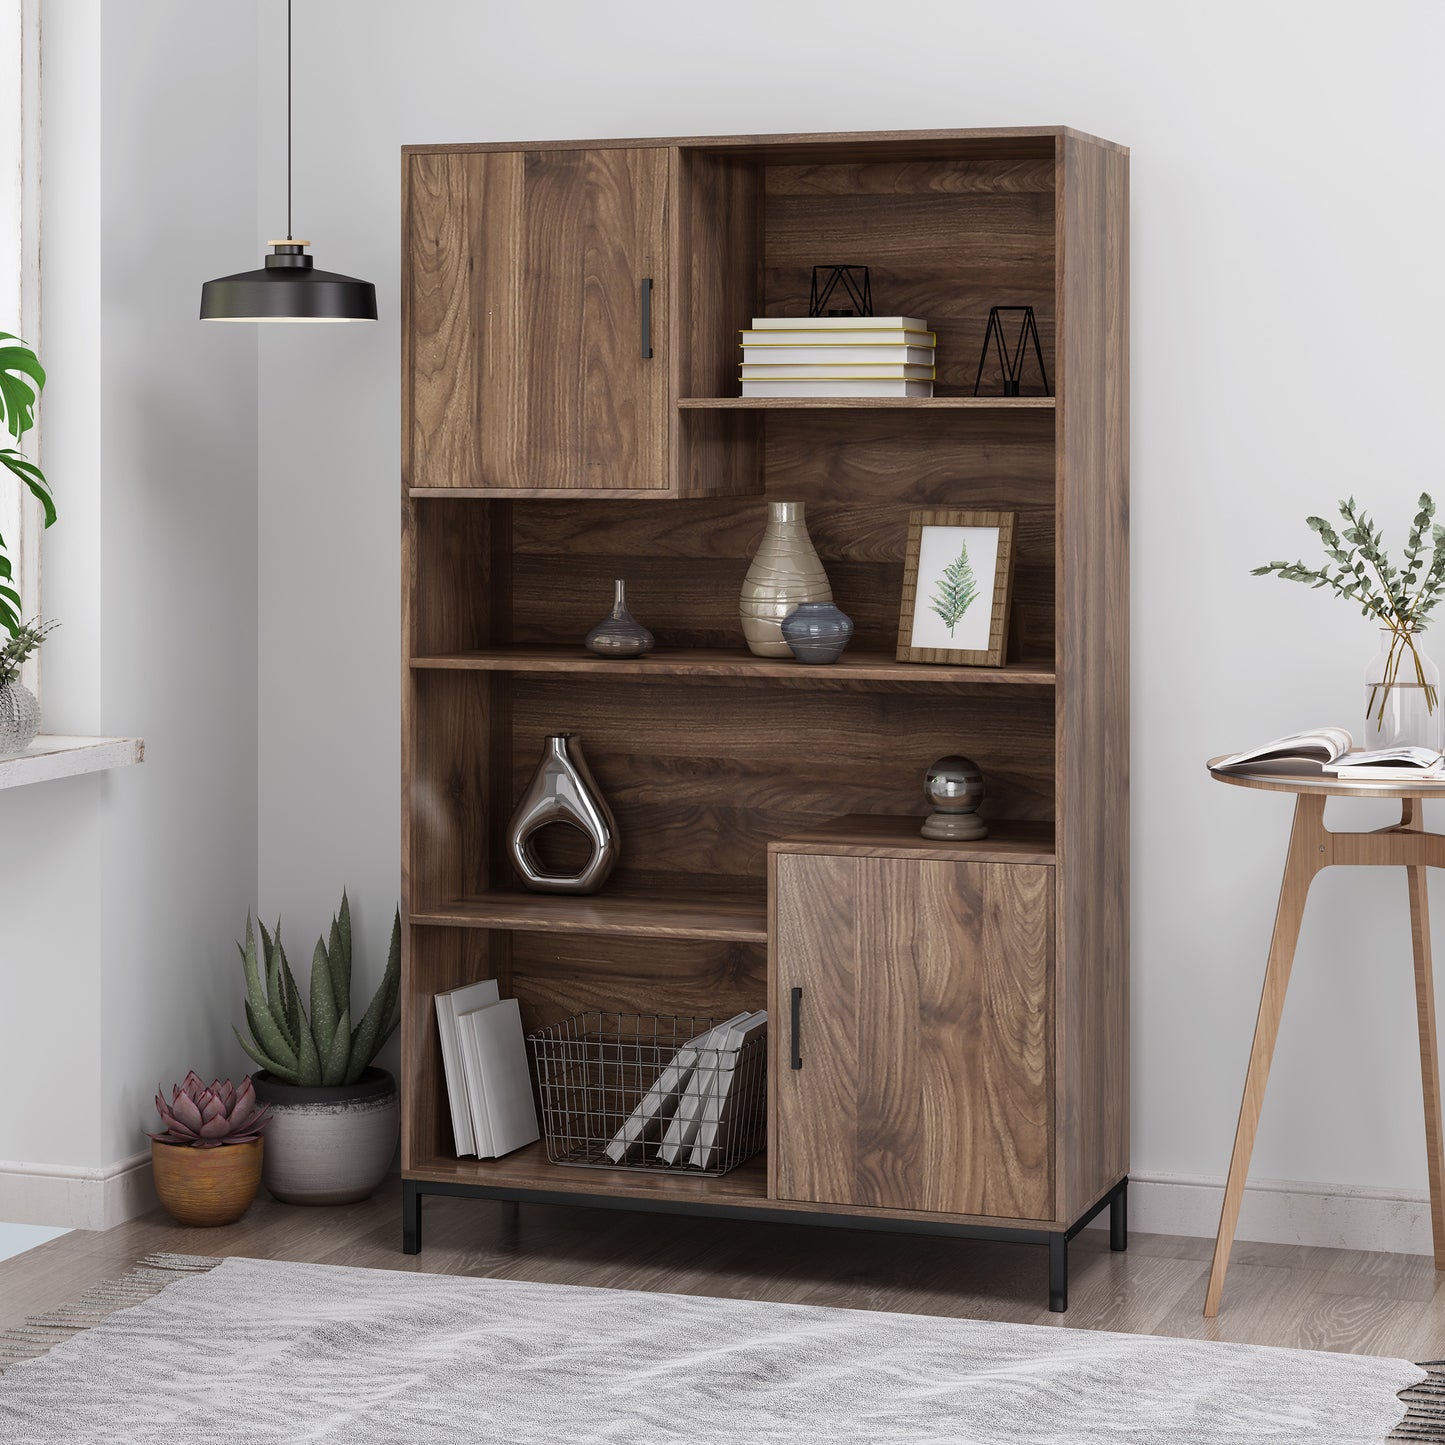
[924, 1034]
[940, 242]
[557, 975]
[701, 778]
[719, 283]
[1093, 662]
[523, 279]
[439, 362]
[937, 458]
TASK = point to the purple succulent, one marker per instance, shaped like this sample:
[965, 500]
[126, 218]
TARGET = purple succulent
[202, 1118]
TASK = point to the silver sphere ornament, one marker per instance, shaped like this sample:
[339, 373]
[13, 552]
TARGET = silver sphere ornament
[954, 789]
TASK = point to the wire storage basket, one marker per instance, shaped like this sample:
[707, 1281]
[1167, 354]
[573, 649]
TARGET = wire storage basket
[648, 1091]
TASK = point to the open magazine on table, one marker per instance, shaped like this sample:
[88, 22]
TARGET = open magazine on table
[1323, 751]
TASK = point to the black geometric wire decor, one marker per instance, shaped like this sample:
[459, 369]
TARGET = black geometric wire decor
[1011, 363]
[857, 291]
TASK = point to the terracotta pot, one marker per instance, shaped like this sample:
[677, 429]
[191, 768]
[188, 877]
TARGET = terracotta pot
[207, 1186]
[329, 1145]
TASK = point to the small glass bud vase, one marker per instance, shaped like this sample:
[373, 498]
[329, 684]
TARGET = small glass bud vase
[1402, 696]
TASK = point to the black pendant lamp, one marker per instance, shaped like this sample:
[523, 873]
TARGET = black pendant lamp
[288, 287]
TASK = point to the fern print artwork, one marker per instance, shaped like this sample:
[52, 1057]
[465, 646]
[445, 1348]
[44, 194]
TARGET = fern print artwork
[955, 587]
[956, 591]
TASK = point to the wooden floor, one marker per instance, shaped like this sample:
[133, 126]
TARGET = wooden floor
[1277, 1294]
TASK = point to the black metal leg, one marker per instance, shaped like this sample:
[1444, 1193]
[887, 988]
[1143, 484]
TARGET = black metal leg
[1058, 1273]
[410, 1216]
[1119, 1218]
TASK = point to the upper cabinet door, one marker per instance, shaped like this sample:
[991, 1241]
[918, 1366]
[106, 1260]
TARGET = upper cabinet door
[537, 294]
[911, 1070]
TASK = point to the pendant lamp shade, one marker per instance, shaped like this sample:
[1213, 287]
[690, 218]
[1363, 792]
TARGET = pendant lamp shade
[288, 288]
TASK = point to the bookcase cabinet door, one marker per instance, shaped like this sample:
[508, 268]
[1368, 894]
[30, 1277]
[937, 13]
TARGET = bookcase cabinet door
[923, 1034]
[534, 280]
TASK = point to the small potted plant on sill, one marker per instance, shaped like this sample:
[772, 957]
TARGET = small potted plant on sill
[335, 1118]
[19, 710]
[22, 379]
[207, 1160]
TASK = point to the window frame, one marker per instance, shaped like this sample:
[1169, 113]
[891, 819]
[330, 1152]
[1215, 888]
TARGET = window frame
[20, 515]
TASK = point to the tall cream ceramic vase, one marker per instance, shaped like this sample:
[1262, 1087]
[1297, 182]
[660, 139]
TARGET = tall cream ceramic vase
[785, 572]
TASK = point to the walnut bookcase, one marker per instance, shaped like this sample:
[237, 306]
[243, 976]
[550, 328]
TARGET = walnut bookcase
[545, 452]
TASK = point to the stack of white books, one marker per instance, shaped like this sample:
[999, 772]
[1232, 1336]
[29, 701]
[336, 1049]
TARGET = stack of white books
[686, 1118]
[485, 1058]
[838, 356]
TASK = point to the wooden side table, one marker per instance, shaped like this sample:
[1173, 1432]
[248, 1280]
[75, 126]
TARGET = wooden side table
[1313, 847]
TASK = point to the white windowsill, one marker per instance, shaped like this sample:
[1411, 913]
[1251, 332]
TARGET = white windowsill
[59, 757]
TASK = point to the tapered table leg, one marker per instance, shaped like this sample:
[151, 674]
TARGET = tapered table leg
[1307, 854]
[1429, 1047]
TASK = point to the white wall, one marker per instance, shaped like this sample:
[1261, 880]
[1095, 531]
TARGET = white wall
[1286, 211]
[121, 892]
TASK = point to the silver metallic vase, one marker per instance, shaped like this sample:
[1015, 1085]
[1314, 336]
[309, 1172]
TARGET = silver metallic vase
[562, 790]
[619, 634]
[19, 717]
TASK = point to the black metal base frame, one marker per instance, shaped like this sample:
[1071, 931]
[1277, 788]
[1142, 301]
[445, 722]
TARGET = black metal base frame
[1116, 1200]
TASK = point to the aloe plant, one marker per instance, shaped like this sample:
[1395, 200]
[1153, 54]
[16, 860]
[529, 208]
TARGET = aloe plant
[22, 379]
[323, 1047]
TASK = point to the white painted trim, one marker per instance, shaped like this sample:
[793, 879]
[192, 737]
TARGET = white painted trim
[1284, 1211]
[76, 1198]
[51, 756]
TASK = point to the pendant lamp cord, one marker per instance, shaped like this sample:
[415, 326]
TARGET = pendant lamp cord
[288, 119]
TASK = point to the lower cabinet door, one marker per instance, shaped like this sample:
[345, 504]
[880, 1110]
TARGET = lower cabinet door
[919, 1073]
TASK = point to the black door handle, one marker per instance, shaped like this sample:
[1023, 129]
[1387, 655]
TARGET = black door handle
[647, 318]
[797, 1001]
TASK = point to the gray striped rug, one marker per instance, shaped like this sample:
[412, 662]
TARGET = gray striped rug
[258, 1352]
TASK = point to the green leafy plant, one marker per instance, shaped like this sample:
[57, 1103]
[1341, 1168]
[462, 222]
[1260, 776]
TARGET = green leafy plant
[22, 379]
[956, 590]
[324, 1047]
[1398, 598]
[26, 640]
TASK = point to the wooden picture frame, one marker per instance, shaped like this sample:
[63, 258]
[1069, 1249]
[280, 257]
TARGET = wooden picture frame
[920, 635]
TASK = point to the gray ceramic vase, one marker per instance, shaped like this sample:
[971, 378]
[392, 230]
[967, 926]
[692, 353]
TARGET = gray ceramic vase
[328, 1145]
[817, 631]
[785, 573]
[954, 789]
[19, 718]
[619, 634]
[563, 790]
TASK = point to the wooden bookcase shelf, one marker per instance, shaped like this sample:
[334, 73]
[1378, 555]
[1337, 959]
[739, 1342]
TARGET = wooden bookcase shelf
[738, 919]
[715, 664]
[766, 808]
[866, 403]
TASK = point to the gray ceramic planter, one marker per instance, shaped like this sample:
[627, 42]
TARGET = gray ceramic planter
[328, 1145]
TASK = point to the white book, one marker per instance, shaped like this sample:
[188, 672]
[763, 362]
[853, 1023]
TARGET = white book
[1393, 765]
[732, 1080]
[836, 371]
[657, 1106]
[682, 1127]
[838, 323]
[844, 355]
[498, 1078]
[883, 336]
[838, 388]
[448, 1005]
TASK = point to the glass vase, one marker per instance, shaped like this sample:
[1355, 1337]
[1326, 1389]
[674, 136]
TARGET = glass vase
[1402, 696]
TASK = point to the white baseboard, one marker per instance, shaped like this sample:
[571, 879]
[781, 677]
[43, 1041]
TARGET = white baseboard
[1283, 1211]
[76, 1198]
